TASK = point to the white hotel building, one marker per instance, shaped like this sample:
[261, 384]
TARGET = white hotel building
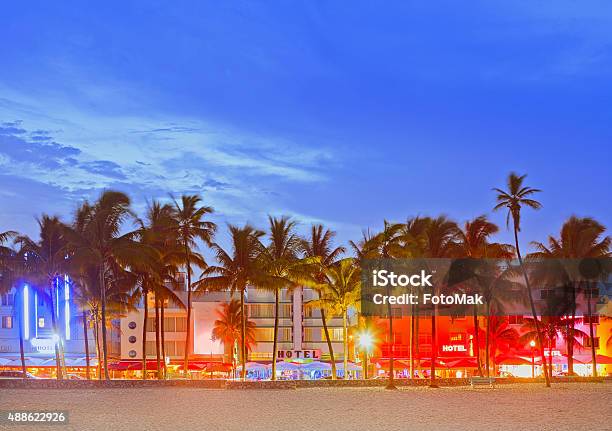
[300, 327]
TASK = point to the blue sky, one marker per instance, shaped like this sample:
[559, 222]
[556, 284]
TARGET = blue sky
[334, 112]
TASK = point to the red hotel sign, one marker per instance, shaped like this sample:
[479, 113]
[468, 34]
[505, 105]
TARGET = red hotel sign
[299, 354]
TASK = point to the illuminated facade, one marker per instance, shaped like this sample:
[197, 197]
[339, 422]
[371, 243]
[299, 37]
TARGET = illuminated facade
[28, 309]
[300, 327]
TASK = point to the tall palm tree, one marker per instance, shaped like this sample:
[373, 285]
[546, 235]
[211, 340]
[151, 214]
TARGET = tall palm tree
[440, 240]
[341, 292]
[228, 325]
[280, 261]
[158, 232]
[413, 239]
[474, 242]
[189, 216]
[384, 245]
[514, 199]
[11, 267]
[45, 262]
[579, 238]
[100, 242]
[236, 270]
[319, 246]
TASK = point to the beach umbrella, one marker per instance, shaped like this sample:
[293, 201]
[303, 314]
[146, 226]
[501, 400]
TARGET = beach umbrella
[285, 366]
[351, 366]
[253, 366]
[316, 365]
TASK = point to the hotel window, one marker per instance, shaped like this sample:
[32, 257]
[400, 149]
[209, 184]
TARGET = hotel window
[586, 342]
[7, 322]
[266, 311]
[41, 322]
[309, 335]
[547, 293]
[8, 299]
[150, 348]
[181, 324]
[169, 324]
[267, 335]
[594, 319]
[180, 348]
[312, 312]
[515, 320]
[424, 339]
[150, 324]
[335, 334]
[457, 337]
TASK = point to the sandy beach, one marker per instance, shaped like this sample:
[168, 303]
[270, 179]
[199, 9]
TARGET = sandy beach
[512, 407]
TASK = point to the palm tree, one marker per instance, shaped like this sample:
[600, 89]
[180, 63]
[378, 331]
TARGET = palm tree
[341, 292]
[319, 246]
[579, 238]
[384, 245]
[236, 271]
[158, 232]
[11, 267]
[228, 326]
[280, 261]
[99, 242]
[440, 240]
[190, 227]
[514, 199]
[45, 262]
[474, 242]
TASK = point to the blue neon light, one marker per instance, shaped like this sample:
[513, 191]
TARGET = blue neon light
[26, 312]
[67, 307]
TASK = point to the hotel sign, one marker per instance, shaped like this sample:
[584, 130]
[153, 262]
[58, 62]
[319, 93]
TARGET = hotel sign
[454, 348]
[299, 354]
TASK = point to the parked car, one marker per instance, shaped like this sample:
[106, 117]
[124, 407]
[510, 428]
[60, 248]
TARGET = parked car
[10, 374]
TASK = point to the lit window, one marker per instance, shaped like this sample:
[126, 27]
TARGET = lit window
[41, 322]
[7, 322]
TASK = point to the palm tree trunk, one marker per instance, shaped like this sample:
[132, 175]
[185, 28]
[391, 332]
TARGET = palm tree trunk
[58, 366]
[330, 347]
[411, 341]
[391, 382]
[163, 340]
[417, 344]
[144, 334]
[570, 334]
[86, 340]
[477, 340]
[98, 349]
[275, 342]
[434, 346]
[345, 344]
[591, 332]
[488, 347]
[157, 347]
[242, 335]
[103, 302]
[188, 332]
[24, 370]
[531, 304]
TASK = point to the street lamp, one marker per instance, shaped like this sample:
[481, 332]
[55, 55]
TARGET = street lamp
[532, 344]
[366, 340]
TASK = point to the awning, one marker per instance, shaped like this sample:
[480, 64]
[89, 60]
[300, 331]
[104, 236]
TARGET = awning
[463, 363]
[600, 359]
